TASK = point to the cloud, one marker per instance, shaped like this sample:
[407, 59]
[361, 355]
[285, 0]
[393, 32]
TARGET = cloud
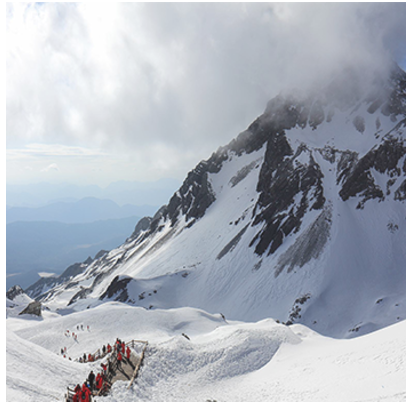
[51, 167]
[54, 150]
[176, 78]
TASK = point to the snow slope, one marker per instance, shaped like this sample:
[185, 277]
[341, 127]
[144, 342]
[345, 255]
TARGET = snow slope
[222, 360]
[37, 374]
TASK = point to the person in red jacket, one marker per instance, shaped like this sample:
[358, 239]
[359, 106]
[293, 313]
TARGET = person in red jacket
[76, 396]
[108, 348]
[119, 357]
[123, 347]
[99, 381]
[85, 393]
[128, 351]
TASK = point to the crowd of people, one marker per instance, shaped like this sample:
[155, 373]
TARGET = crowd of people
[93, 385]
[119, 347]
[74, 336]
[99, 384]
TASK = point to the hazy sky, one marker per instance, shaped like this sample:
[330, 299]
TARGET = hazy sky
[140, 91]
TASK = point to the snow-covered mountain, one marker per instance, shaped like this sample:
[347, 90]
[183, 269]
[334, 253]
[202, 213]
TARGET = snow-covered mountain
[16, 297]
[301, 218]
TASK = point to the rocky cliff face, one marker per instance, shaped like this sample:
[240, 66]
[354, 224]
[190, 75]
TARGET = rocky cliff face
[283, 176]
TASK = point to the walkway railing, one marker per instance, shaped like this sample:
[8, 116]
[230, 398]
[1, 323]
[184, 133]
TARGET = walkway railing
[112, 358]
[138, 364]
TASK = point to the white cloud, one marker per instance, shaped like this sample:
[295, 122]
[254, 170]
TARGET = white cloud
[54, 150]
[51, 167]
[136, 79]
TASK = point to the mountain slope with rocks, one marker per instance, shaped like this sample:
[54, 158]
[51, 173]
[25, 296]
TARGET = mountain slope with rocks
[301, 218]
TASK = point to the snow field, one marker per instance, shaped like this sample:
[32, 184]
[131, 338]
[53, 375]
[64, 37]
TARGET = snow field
[222, 360]
[35, 374]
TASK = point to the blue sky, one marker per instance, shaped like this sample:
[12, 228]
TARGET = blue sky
[140, 91]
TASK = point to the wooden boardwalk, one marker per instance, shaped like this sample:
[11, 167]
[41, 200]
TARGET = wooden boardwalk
[125, 370]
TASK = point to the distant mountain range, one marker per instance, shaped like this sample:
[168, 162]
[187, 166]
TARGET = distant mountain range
[49, 238]
[50, 247]
[85, 210]
[122, 192]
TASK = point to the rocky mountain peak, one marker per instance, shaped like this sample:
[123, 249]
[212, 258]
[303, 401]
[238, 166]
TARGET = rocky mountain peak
[13, 292]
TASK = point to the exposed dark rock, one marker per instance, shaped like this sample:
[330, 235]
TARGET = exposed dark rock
[345, 164]
[359, 123]
[309, 245]
[392, 227]
[155, 221]
[400, 193]
[232, 243]
[142, 225]
[196, 194]
[13, 292]
[282, 178]
[396, 102]
[295, 312]
[359, 180]
[37, 290]
[117, 290]
[374, 106]
[80, 295]
[242, 173]
[328, 153]
[377, 123]
[75, 269]
[34, 308]
[100, 254]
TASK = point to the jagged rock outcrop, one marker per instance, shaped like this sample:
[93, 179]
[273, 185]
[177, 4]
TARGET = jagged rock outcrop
[38, 289]
[195, 195]
[13, 292]
[117, 290]
[385, 158]
[142, 225]
[34, 308]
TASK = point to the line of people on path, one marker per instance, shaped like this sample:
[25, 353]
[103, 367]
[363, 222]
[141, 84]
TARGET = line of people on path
[92, 386]
[119, 346]
[99, 384]
[74, 336]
